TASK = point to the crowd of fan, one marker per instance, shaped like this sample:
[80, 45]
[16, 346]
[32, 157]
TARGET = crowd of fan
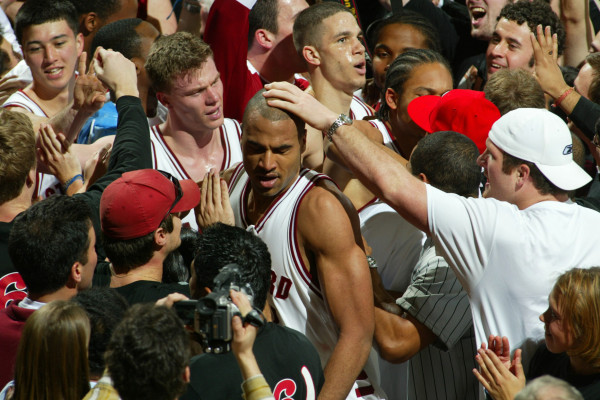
[396, 199]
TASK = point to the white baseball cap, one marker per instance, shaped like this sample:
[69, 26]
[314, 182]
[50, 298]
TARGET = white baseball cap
[538, 136]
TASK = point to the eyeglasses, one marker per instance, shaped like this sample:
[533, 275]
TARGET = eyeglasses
[178, 191]
[596, 140]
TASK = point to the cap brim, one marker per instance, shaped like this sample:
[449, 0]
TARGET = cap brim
[190, 198]
[420, 110]
[567, 177]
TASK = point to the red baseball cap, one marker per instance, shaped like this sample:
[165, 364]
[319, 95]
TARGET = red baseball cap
[459, 110]
[136, 203]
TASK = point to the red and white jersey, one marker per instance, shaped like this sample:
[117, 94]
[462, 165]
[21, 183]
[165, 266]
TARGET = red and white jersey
[359, 109]
[164, 159]
[298, 300]
[47, 184]
[388, 138]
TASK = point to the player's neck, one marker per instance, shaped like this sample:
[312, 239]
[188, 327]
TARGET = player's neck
[334, 99]
[50, 100]
[190, 141]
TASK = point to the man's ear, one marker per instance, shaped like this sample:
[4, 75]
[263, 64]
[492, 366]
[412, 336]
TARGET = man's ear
[264, 38]
[391, 98]
[303, 142]
[163, 98]
[75, 275]
[89, 23]
[311, 55]
[523, 173]
[423, 177]
[139, 65]
[186, 374]
[31, 177]
[160, 237]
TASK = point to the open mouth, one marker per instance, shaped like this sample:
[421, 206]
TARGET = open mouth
[477, 14]
[214, 114]
[53, 72]
[267, 181]
[361, 67]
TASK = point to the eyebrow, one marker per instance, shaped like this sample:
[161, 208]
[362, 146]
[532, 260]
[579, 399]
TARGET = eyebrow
[40, 42]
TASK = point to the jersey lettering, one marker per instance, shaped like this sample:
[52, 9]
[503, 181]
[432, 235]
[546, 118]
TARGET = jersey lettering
[12, 288]
[283, 287]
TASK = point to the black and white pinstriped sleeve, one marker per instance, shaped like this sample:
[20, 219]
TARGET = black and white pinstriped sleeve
[436, 298]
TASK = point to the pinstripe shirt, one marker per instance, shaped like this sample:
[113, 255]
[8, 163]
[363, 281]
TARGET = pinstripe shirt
[442, 370]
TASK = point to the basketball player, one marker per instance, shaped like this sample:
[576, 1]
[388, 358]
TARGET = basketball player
[196, 138]
[320, 278]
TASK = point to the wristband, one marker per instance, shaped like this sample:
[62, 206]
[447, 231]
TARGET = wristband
[372, 262]
[562, 97]
[73, 179]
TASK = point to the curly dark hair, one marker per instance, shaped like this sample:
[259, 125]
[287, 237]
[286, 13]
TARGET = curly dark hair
[534, 13]
[148, 353]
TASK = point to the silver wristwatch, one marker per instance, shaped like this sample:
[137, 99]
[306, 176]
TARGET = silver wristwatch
[343, 119]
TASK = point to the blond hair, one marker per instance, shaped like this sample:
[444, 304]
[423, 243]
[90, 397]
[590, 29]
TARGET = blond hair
[577, 293]
[175, 56]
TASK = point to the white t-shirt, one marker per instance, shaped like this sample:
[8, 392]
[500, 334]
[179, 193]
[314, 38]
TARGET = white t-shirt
[509, 259]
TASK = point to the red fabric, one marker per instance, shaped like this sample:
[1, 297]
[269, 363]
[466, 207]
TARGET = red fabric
[12, 320]
[227, 34]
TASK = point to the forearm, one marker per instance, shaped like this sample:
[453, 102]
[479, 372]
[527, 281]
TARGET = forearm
[383, 175]
[575, 18]
[397, 343]
[345, 364]
[131, 148]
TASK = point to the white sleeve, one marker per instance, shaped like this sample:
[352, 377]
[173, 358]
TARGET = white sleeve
[463, 231]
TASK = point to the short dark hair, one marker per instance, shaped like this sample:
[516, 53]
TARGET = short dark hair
[37, 12]
[105, 308]
[401, 69]
[128, 254]
[410, 18]
[258, 105]
[510, 89]
[449, 161]
[104, 8]
[148, 353]
[594, 89]
[120, 36]
[263, 16]
[308, 29]
[540, 182]
[176, 266]
[47, 239]
[222, 244]
[534, 13]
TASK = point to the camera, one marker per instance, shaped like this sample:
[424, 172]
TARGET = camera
[211, 315]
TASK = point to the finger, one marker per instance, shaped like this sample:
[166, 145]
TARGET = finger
[483, 368]
[518, 364]
[505, 347]
[490, 366]
[225, 193]
[238, 327]
[82, 63]
[241, 301]
[482, 380]
[215, 187]
[555, 46]
[282, 94]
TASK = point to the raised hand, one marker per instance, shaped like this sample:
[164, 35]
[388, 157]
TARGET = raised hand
[89, 94]
[214, 203]
[501, 383]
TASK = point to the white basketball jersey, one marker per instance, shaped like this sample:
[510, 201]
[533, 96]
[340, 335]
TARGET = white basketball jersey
[164, 159]
[47, 184]
[359, 109]
[295, 295]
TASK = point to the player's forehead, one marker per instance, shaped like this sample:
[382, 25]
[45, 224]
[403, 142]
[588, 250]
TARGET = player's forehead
[201, 76]
[47, 31]
[262, 131]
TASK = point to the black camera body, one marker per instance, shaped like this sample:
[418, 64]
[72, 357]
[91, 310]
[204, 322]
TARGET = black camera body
[211, 315]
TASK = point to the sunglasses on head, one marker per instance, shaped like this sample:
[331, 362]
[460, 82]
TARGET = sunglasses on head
[178, 191]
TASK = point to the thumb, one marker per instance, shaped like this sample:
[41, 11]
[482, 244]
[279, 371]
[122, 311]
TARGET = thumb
[517, 361]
